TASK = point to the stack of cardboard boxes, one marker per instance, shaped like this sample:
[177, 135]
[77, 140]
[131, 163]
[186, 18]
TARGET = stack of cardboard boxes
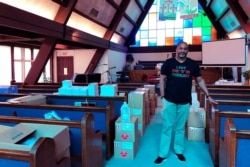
[136, 102]
[126, 138]
[146, 106]
[152, 98]
[196, 122]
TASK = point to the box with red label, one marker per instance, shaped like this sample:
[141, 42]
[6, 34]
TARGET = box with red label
[125, 149]
[126, 131]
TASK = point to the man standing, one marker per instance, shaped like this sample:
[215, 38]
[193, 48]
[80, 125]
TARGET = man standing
[175, 89]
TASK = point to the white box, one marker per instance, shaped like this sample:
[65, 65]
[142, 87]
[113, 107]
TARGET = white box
[109, 90]
[79, 90]
[93, 89]
[197, 118]
[195, 134]
[65, 91]
[136, 99]
[66, 83]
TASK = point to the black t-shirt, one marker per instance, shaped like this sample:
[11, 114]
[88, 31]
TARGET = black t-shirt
[179, 79]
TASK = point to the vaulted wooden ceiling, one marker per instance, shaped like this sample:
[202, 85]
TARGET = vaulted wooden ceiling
[99, 24]
[114, 18]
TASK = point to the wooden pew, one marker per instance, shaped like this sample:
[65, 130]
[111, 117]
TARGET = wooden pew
[234, 148]
[89, 141]
[222, 96]
[104, 117]
[224, 105]
[53, 89]
[216, 130]
[4, 96]
[229, 90]
[222, 90]
[55, 99]
[100, 101]
[40, 155]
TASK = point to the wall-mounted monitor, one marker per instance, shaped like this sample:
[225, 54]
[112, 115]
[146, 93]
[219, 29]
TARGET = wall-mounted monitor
[224, 52]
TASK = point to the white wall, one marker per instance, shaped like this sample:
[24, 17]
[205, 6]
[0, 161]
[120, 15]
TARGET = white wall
[161, 56]
[82, 58]
[113, 61]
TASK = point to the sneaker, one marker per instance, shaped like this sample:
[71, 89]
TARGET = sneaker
[181, 157]
[159, 160]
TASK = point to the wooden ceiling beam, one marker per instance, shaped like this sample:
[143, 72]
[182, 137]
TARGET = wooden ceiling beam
[12, 17]
[108, 35]
[48, 46]
[240, 15]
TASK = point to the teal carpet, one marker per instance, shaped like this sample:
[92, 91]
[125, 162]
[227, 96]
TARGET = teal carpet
[196, 153]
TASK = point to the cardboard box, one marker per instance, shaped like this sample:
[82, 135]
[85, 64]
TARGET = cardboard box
[3, 128]
[197, 118]
[125, 150]
[136, 99]
[140, 114]
[151, 88]
[59, 133]
[126, 131]
[15, 134]
[195, 134]
[146, 90]
[29, 99]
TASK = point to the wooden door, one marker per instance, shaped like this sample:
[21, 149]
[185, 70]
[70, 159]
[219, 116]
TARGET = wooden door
[65, 68]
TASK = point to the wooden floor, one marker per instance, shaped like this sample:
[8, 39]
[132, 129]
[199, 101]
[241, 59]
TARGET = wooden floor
[196, 153]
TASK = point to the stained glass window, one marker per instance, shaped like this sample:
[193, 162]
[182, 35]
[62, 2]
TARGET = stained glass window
[155, 32]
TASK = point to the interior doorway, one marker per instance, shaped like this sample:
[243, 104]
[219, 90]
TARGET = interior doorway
[65, 68]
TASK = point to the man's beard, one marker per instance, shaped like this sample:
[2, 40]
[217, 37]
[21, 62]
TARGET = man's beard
[182, 55]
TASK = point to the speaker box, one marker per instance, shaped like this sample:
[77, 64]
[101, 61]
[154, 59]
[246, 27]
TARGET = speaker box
[62, 2]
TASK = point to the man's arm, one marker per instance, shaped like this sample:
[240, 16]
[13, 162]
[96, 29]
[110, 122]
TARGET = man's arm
[162, 84]
[203, 87]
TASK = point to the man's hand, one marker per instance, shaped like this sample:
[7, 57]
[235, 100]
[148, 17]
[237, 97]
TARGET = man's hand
[211, 100]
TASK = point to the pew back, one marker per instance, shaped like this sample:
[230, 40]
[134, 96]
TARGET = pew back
[86, 138]
[104, 117]
[217, 128]
[234, 148]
